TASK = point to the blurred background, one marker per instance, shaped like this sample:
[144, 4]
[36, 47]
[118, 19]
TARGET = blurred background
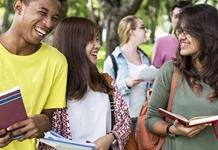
[107, 14]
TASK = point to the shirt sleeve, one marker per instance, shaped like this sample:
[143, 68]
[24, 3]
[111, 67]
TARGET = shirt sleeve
[121, 84]
[122, 128]
[160, 94]
[108, 67]
[57, 95]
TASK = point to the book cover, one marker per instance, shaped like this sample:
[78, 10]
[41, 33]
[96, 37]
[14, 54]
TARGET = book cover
[58, 142]
[12, 109]
[189, 122]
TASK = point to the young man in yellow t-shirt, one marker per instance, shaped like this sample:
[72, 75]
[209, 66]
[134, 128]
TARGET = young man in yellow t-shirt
[37, 68]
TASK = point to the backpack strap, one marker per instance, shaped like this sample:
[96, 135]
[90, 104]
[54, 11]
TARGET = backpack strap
[170, 100]
[172, 87]
[115, 67]
[138, 48]
[110, 94]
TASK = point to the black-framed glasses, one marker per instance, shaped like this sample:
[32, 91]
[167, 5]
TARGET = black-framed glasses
[180, 31]
[140, 27]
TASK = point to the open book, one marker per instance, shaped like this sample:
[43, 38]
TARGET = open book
[57, 141]
[12, 109]
[147, 73]
[189, 122]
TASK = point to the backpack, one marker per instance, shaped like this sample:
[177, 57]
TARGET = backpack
[145, 139]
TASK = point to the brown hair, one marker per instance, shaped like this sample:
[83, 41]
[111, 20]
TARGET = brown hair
[71, 37]
[201, 22]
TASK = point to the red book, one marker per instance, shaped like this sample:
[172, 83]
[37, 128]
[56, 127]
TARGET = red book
[189, 122]
[12, 109]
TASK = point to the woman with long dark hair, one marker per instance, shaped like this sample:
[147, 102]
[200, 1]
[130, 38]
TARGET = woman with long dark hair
[88, 113]
[196, 93]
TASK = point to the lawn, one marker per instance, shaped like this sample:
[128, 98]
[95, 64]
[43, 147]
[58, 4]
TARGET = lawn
[147, 48]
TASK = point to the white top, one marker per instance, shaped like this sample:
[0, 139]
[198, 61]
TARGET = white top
[90, 117]
[138, 93]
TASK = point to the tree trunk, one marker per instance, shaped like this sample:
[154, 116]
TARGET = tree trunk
[8, 5]
[114, 11]
[153, 8]
[64, 8]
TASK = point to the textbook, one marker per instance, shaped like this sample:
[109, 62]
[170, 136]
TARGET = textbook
[12, 109]
[189, 122]
[147, 73]
[59, 142]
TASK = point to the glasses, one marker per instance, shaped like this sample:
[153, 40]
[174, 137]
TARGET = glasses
[180, 31]
[141, 28]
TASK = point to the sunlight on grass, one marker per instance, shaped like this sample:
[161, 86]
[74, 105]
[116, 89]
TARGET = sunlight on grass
[147, 48]
[101, 57]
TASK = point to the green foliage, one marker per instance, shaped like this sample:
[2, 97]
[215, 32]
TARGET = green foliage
[77, 8]
[101, 58]
[1, 3]
[147, 48]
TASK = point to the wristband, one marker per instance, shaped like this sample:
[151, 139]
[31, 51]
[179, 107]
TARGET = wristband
[168, 130]
[115, 138]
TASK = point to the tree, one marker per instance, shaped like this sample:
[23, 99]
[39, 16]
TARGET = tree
[150, 11]
[114, 11]
[8, 5]
[64, 8]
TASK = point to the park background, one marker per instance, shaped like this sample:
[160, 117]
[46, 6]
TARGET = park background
[107, 14]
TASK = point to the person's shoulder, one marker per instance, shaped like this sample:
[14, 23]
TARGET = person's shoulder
[165, 73]
[167, 68]
[52, 52]
[168, 65]
[165, 38]
[116, 51]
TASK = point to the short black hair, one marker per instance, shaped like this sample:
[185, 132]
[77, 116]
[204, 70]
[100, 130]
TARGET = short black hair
[181, 4]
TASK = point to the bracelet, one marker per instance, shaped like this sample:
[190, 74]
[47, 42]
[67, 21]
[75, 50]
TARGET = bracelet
[115, 138]
[168, 130]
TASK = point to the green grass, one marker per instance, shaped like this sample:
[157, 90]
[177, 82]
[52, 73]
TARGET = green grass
[147, 48]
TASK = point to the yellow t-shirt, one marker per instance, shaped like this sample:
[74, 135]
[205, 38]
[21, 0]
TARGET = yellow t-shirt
[41, 77]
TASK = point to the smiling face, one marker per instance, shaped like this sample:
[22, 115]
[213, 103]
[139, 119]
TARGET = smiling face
[36, 19]
[189, 45]
[92, 49]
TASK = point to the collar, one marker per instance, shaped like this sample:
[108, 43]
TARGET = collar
[117, 52]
